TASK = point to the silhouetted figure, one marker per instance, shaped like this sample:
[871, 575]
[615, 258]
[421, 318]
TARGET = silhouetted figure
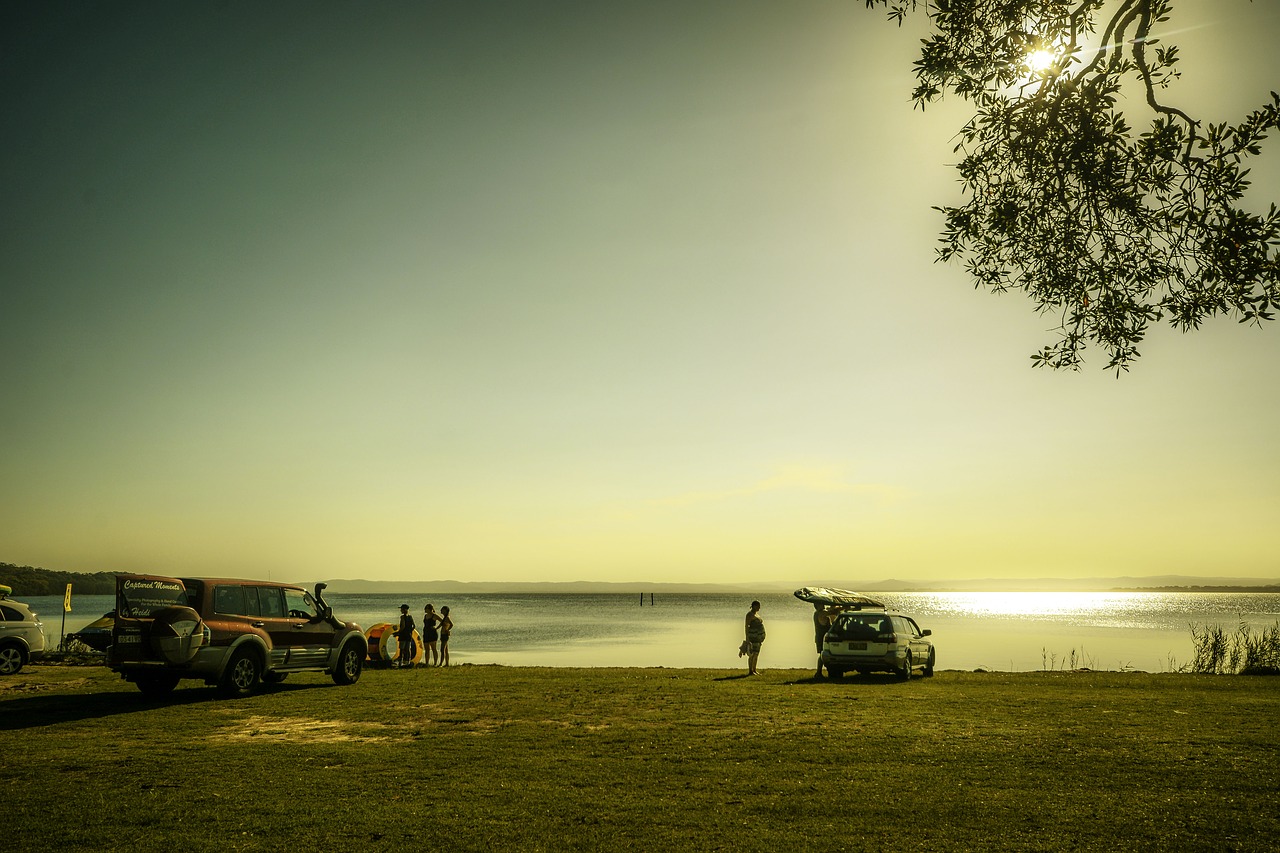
[755, 636]
[404, 638]
[822, 619]
[430, 635]
[446, 626]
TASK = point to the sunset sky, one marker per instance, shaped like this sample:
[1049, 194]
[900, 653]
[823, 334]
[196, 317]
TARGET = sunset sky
[569, 291]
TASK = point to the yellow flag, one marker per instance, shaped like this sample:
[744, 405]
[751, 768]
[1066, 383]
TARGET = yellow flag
[66, 602]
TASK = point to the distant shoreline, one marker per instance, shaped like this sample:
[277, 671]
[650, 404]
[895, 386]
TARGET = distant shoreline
[33, 581]
[1269, 588]
[455, 587]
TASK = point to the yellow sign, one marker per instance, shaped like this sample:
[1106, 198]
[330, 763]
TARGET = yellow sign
[66, 602]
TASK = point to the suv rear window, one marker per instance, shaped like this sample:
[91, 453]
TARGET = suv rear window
[138, 598]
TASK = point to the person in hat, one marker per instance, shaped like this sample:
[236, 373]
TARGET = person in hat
[404, 638]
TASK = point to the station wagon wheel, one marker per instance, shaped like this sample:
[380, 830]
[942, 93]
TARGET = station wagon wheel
[928, 667]
[905, 672]
[242, 674]
[10, 659]
[350, 663]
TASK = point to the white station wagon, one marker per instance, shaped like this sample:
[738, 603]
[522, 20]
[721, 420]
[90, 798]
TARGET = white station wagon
[21, 634]
[877, 641]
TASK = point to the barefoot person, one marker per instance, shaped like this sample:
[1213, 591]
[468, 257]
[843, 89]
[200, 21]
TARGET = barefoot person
[430, 634]
[755, 636]
[404, 638]
[823, 619]
[446, 626]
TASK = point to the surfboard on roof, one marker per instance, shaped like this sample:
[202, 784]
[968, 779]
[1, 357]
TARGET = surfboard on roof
[840, 597]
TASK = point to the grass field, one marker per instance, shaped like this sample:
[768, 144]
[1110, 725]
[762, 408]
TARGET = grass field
[496, 758]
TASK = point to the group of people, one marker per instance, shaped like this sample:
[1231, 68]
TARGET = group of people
[436, 628]
[823, 617]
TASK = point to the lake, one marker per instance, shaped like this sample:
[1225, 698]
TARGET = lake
[1011, 631]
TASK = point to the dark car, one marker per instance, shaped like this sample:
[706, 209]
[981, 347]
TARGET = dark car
[227, 632]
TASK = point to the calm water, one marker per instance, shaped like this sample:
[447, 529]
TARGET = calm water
[999, 631]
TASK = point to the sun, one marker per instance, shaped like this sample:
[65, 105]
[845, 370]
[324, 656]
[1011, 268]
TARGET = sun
[1041, 60]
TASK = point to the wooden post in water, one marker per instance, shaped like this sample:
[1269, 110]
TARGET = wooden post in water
[642, 599]
[650, 599]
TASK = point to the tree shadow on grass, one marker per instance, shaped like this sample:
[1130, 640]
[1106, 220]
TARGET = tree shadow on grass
[38, 710]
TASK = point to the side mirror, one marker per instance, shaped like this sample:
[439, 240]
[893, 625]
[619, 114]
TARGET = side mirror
[926, 633]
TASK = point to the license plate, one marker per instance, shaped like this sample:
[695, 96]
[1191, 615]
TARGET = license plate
[857, 647]
[124, 639]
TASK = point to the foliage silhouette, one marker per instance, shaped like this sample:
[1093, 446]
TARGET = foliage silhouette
[1106, 227]
[28, 580]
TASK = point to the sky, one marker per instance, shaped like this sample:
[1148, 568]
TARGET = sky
[610, 291]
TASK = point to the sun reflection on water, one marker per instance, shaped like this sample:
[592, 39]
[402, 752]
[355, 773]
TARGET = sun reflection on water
[1044, 603]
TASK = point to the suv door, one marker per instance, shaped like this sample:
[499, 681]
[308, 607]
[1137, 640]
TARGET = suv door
[299, 631]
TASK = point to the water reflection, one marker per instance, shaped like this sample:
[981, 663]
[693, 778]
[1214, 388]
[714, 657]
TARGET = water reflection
[993, 630]
[1030, 604]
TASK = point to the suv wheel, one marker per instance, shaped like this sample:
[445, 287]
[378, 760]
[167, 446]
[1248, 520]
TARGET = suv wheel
[11, 659]
[242, 674]
[350, 663]
[905, 672]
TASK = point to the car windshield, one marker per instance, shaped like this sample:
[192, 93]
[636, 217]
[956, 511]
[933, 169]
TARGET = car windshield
[860, 626]
[138, 598]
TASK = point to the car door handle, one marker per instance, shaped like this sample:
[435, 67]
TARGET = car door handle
[258, 624]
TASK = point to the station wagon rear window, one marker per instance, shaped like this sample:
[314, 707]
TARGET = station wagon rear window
[860, 626]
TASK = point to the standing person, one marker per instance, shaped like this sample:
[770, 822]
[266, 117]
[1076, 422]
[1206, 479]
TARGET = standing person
[446, 625]
[404, 638]
[755, 636]
[823, 617]
[430, 634]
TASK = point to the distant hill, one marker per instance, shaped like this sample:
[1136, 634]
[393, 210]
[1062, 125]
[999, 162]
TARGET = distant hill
[28, 580]
[1124, 583]
[1153, 583]
[350, 585]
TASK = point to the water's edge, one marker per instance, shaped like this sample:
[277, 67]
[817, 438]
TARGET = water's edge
[1148, 631]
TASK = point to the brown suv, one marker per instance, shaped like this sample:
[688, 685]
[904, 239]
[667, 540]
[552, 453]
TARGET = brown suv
[231, 633]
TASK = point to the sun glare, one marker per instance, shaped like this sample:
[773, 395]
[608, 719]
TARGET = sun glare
[1041, 60]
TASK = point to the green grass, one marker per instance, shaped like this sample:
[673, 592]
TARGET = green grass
[487, 758]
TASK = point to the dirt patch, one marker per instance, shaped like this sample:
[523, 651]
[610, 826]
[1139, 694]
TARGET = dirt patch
[14, 684]
[305, 730]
